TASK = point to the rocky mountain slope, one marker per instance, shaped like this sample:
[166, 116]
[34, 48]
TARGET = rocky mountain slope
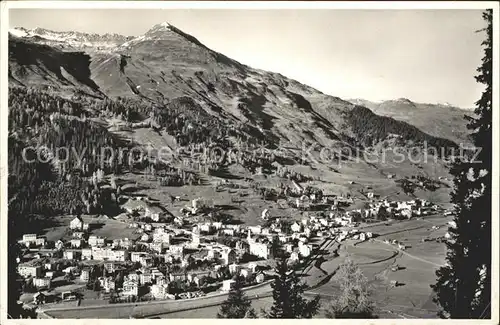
[166, 89]
[166, 63]
[43, 66]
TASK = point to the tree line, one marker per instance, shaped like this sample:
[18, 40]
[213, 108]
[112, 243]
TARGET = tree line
[370, 129]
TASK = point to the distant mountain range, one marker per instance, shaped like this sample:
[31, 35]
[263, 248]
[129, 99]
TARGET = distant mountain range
[70, 40]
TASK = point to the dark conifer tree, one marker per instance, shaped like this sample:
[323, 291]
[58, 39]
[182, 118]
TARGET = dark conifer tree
[463, 288]
[288, 295]
[237, 304]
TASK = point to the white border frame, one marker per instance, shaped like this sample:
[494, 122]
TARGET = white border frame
[4, 21]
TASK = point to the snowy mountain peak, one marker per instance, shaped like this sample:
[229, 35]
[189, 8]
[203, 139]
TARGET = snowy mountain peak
[159, 30]
[164, 26]
[404, 100]
[19, 32]
[165, 31]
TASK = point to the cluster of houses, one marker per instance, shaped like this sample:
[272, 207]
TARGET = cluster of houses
[397, 209]
[156, 244]
[143, 208]
[140, 259]
[33, 240]
[194, 258]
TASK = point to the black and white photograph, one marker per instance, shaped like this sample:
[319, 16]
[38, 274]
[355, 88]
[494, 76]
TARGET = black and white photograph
[209, 160]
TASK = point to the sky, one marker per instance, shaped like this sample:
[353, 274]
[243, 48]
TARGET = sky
[427, 56]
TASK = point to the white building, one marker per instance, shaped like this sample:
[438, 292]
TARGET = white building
[137, 256]
[407, 213]
[228, 232]
[246, 273]
[85, 275]
[86, 254]
[108, 283]
[176, 250]
[259, 278]
[195, 239]
[160, 291]
[29, 270]
[227, 285]
[42, 283]
[33, 240]
[107, 254]
[262, 250]
[206, 228]
[96, 241]
[71, 255]
[160, 235]
[157, 246]
[234, 268]
[130, 288]
[146, 277]
[153, 212]
[76, 224]
[294, 256]
[295, 227]
[259, 249]
[304, 249]
[217, 225]
[228, 256]
[256, 230]
[59, 244]
[76, 243]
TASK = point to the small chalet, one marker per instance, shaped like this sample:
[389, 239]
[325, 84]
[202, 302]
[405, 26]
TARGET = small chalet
[76, 223]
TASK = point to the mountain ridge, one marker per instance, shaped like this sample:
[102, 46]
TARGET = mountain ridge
[166, 63]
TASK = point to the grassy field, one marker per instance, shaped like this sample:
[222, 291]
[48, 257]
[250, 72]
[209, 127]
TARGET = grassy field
[375, 258]
[413, 297]
[105, 227]
[247, 208]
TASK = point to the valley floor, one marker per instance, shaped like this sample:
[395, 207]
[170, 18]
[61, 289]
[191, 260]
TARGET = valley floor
[411, 298]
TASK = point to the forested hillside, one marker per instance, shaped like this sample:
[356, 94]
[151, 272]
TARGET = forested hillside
[370, 128]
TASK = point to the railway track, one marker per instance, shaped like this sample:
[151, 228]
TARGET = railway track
[327, 243]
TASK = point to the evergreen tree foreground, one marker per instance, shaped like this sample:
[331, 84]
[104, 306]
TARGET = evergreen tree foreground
[288, 295]
[237, 304]
[463, 287]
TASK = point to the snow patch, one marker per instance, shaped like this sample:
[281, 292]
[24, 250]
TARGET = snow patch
[18, 32]
[135, 40]
[447, 104]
